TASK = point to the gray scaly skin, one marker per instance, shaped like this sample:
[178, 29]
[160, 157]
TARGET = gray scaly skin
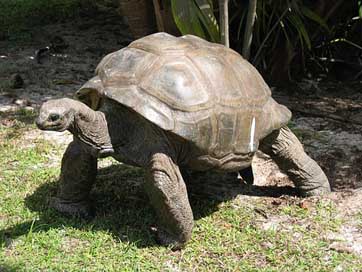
[116, 131]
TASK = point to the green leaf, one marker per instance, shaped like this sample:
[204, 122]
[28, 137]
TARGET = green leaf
[302, 31]
[185, 14]
[359, 3]
[314, 17]
[285, 35]
[206, 16]
[242, 18]
[211, 3]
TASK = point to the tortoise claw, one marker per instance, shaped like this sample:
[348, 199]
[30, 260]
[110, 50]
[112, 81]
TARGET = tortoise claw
[322, 190]
[81, 209]
[165, 239]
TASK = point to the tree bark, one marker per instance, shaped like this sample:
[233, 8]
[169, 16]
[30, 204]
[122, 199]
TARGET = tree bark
[224, 22]
[248, 36]
[159, 19]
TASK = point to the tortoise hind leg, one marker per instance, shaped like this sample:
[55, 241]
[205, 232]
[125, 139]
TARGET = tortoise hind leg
[287, 151]
[78, 173]
[168, 195]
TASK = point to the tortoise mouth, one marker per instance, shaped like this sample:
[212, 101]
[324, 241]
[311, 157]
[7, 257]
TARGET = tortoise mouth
[50, 126]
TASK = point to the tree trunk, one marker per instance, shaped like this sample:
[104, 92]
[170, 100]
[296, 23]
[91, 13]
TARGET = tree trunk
[248, 35]
[224, 22]
[159, 19]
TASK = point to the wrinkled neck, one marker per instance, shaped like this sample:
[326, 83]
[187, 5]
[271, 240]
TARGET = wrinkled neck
[90, 127]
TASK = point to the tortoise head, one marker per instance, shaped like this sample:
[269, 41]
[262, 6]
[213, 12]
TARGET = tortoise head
[56, 115]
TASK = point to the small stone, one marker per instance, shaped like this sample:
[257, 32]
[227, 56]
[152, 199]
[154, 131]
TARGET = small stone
[267, 245]
[270, 226]
[7, 108]
[339, 268]
[16, 81]
[304, 205]
[21, 102]
[29, 108]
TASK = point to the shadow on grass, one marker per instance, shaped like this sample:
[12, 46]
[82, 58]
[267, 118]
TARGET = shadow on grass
[9, 268]
[122, 206]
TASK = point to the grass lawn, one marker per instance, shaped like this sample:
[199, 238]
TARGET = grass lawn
[241, 234]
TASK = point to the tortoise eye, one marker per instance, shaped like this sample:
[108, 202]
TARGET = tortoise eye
[54, 117]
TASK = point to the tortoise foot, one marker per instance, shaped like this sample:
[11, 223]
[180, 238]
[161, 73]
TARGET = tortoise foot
[315, 192]
[316, 183]
[81, 209]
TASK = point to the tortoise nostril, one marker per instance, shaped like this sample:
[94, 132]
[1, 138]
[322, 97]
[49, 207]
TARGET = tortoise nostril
[54, 117]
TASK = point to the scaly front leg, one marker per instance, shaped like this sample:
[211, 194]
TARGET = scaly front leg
[168, 195]
[78, 174]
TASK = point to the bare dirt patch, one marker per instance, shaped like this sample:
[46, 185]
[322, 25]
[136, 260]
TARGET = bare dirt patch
[60, 71]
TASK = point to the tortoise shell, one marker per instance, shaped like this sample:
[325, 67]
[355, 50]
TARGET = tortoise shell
[204, 92]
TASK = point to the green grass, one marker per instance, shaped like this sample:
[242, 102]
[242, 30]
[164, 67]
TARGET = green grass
[228, 236]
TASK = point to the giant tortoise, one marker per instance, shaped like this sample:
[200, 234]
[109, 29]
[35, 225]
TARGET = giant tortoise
[165, 103]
